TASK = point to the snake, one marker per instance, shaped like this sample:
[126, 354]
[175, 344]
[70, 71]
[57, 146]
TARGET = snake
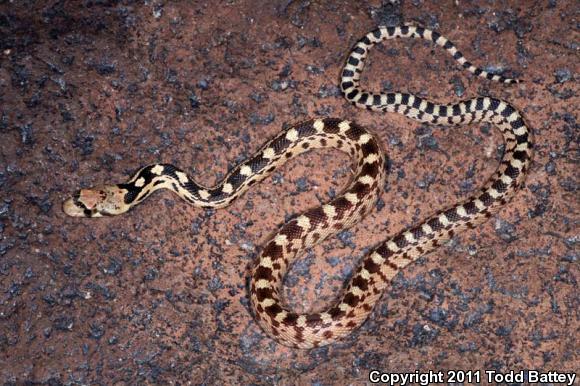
[377, 269]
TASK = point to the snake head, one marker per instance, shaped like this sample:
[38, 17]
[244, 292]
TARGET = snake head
[97, 202]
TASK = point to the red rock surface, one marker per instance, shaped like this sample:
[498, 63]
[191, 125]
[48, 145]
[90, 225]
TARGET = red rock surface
[91, 90]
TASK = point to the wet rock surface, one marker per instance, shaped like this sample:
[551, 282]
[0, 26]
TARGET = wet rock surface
[90, 91]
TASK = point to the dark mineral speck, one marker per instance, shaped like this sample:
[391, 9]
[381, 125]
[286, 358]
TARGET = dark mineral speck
[113, 340]
[423, 335]
[203, 84]
[85, 143]
[113, 268]
[503, 330]
[104, 68]
[258, 97]
[458, 86]
[345, 238]
[326, 91]
[505, 230]
[151, 274]
[302, 184]
[279, 85]
[389, 14]
[193, 100]
[380, 204]
[257, 119]
[96, 331]
[550, 168]
[64, 323]
[4, 210]
[563, 75]
[215, 284]
[26, 134]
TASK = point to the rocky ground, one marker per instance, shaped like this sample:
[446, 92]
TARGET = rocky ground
[91, 90]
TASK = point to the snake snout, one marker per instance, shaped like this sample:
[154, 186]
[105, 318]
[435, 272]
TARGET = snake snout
[72, 207]
[77, 206]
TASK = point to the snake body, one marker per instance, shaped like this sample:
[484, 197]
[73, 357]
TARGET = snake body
[379, 267]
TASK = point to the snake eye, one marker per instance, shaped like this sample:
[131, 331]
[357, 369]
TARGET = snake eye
[81, 205]
[77, 199]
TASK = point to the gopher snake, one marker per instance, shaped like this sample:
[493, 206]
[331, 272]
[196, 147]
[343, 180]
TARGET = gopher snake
[379, 267]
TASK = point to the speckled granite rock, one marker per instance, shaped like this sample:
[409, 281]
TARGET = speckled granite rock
[91, 90]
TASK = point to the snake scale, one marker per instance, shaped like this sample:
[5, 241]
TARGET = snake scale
[379, 267]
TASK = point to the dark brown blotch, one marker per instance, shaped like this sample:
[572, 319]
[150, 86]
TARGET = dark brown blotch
[263, 293]
[384, 251]
[291, 230]
[341, 205]
[371, 266]
[331, 128]
[499, 186]
[486, 199]
[360, 282]
[335, 313]
[470, 207]
[435, 224]
[417, 233]
[351, 299]
[305, 129]
[392, 265]
[370, 169]
[263, 273]
[355, 131]
[313, 320]
[273, 250]
[290, 319]
[316, 216]
[360, 189]
[371, 147]
[401, 241]
[273, 310]
[452, 215]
